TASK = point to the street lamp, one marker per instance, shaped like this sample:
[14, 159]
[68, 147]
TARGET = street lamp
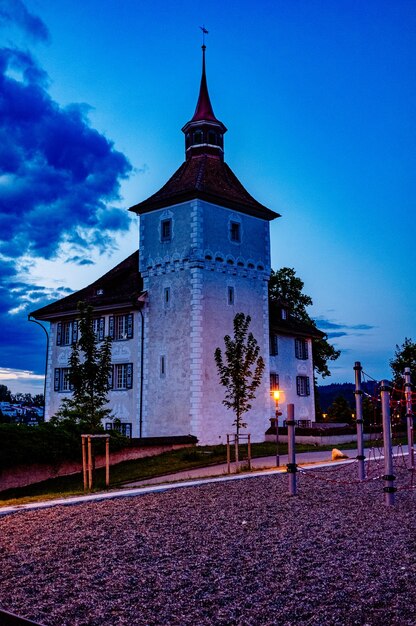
[30, 319]
[276, 396]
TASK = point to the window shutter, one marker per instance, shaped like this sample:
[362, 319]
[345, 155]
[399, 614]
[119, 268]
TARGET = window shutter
[56, 379]
[129, 375]
[101, 329]
[305, 344]
[308, 392]
[59, 334]
[130, 326]
[74, 331]
[298, 385]
[297, 349]
[110, 377]
[111, 326]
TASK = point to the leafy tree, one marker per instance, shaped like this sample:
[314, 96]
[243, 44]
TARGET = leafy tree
[5, 395]
[339, 411]
[235, 369]
[89, 370]
[285, 286]
[38, 399]
[405, 356]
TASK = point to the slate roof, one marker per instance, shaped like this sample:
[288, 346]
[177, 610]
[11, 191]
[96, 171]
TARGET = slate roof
[120, 286]
[208, 178]
[291, 326]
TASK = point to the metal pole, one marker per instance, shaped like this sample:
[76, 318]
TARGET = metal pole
[389, 488]
[277, 434]
[291, 465]
[30, 319]
[228, 455]
[359, 414]
[84, 462]
[249, 451]
[107, 462]
[409, 416]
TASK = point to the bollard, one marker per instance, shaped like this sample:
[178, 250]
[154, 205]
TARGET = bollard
[291, 449]
[359, 414]
[389, 488]
[409, 416]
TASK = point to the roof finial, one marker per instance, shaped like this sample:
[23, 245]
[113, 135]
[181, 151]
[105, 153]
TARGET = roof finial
[204, 32]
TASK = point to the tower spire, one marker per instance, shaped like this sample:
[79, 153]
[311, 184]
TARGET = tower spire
[204, 132]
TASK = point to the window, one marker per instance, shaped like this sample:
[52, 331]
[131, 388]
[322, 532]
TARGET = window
[166, 230]
[284, 314]
[273, 345]
[120, 327]
[235, 232]
[301, 349]
[124, 428]
[198, 137]
[212, 138]
[61, 380]
[302, 386]
[121, 376]
[66, 333]
[274, 381]
[230, 295]
[162, 366]
[98, 325]
[166, 296]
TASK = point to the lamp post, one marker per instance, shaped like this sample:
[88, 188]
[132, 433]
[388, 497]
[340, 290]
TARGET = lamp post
[276, 396]
[30, 319]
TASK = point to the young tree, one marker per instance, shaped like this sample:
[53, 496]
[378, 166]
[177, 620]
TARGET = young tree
[240, 370]
[285, 286]
[89, 370]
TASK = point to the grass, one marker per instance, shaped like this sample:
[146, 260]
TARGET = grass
[148, 467]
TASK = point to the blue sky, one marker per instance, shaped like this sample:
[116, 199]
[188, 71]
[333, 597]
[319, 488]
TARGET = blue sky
[318, 96]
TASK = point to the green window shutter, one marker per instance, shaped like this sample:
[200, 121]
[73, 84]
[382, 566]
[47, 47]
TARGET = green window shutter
[59, 334]
[129, 326]
[101, 329]
[111, 326]
[129, 375]
[56, 379]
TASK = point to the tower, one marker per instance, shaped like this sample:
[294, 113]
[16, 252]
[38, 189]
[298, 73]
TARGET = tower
[204, 256]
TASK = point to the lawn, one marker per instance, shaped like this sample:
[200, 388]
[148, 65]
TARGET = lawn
[148, 467]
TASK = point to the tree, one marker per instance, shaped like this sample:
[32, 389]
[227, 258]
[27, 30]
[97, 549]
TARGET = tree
[405, 356]
[241, 355]
[5, 395]
[89, 371]
[285, 286]
[339, 411]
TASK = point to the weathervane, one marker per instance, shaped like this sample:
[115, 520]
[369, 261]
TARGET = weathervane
[204, 32]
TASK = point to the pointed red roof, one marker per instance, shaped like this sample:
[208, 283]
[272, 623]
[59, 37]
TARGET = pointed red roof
[204, 110]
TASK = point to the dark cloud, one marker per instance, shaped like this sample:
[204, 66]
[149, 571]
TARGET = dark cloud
[79, 260]
[14, 12]
[339, 329]
[58, 176]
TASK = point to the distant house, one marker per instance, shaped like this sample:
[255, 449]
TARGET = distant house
[204, 256]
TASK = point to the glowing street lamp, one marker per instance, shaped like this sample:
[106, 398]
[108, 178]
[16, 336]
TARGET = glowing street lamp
[276, 397]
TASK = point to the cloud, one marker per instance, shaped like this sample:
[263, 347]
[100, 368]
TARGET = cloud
[7, 373]
[14, 12]
[339, 329]
[58, 176]
[79, 260]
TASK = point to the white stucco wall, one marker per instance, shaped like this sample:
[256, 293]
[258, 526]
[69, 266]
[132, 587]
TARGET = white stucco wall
[288, 367]
[123, 403]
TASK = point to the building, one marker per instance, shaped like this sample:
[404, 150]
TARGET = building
[204, 255]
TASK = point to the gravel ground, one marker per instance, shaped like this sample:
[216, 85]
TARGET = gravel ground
[235, 553]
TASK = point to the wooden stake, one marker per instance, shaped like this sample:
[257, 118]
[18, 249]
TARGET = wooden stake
[89, 464]
[107, 462]
[228, 455]
[84, 462]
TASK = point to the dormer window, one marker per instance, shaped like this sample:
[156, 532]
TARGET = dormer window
[100, 292]
[284, 314]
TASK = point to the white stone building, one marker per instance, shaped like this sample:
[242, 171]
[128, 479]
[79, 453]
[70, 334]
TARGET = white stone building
[204, 256]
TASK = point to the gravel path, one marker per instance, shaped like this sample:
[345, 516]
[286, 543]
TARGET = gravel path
[236, 553]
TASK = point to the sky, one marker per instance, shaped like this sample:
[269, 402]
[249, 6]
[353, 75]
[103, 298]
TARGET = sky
[319, 99]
